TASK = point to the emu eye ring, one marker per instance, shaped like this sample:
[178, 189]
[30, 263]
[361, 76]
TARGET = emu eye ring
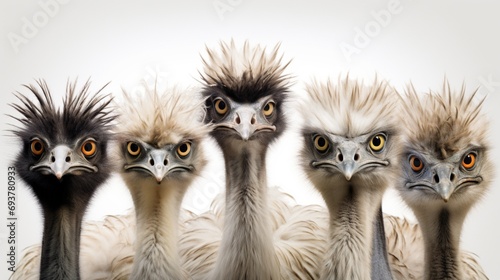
[377, 142]
[469, 161]
[89, 148]
[133, 149]
[416, 164]
[321, 144]
[184, 149]
[268, 110]
[37, 147]
[221, 107]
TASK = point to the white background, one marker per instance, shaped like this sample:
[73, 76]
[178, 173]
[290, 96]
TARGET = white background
[126, 41]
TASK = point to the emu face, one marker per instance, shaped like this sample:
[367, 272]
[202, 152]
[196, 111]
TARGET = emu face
[232, 120]
[348, 158]
[174, 161]
[64, 155]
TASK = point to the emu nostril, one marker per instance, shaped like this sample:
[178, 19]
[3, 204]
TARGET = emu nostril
[152, 162]
[238, 120]
[452, 176]
[253, 120]
[340, 157]
[436, 178]
[356, 157]
[165, 162]
[52, 159]
[68, 159]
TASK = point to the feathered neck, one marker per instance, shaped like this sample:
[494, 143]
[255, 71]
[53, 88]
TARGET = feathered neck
[353, 212]
[61, 243]
[441, 230]
[157, 214]
[247, 248]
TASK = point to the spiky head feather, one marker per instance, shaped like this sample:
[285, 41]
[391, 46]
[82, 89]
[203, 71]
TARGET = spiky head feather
[81, 112]
[161, 118]
[82, 116]
[350, 108]
[244, 75]
[444, 122]
[441, 128]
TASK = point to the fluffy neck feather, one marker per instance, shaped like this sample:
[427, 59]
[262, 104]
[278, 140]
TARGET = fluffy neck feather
[247, 250]
[61, 244]
[441, 230]
[157, 212]
[353, 209]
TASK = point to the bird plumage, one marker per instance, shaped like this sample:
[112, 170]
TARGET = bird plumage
[299, 234]
[63, 160]
[446, 169]
[159, 154]
[245, 89]
[247, 232]
[351, 145]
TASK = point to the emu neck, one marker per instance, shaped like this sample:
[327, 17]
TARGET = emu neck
[353, 211]
[61, 243]
[380, 262]
[157, 213]
[247, 250]
[441, 232]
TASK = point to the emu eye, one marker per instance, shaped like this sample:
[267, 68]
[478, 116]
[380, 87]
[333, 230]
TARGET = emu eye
[377, 143]
[89, 148]
[416, 164]
[37, 147]
[221, 107]
[184, 149]
[268, 110]
[321, 144]
[133, 149]
[469, 161]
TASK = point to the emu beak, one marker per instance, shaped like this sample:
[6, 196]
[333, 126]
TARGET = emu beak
[61, 161]
[349, 164]
[159, 163]
[445, 190]
[443, 182]
[245, 122]
[348, 169]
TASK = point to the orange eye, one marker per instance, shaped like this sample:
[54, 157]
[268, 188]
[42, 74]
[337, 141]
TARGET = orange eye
[89, 148]
[221, 107]
[469, 161]
[37, 147]
[133, 149]
[416, 164]
[184, 149]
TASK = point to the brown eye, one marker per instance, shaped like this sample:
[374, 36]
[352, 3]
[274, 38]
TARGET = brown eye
[268, 109]
[377, 143]
[321, 144]
[221, 107]
[133, 149]
[89, 148]
[469, 161]
[184, 149]
[416, 164]
[37, 147]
